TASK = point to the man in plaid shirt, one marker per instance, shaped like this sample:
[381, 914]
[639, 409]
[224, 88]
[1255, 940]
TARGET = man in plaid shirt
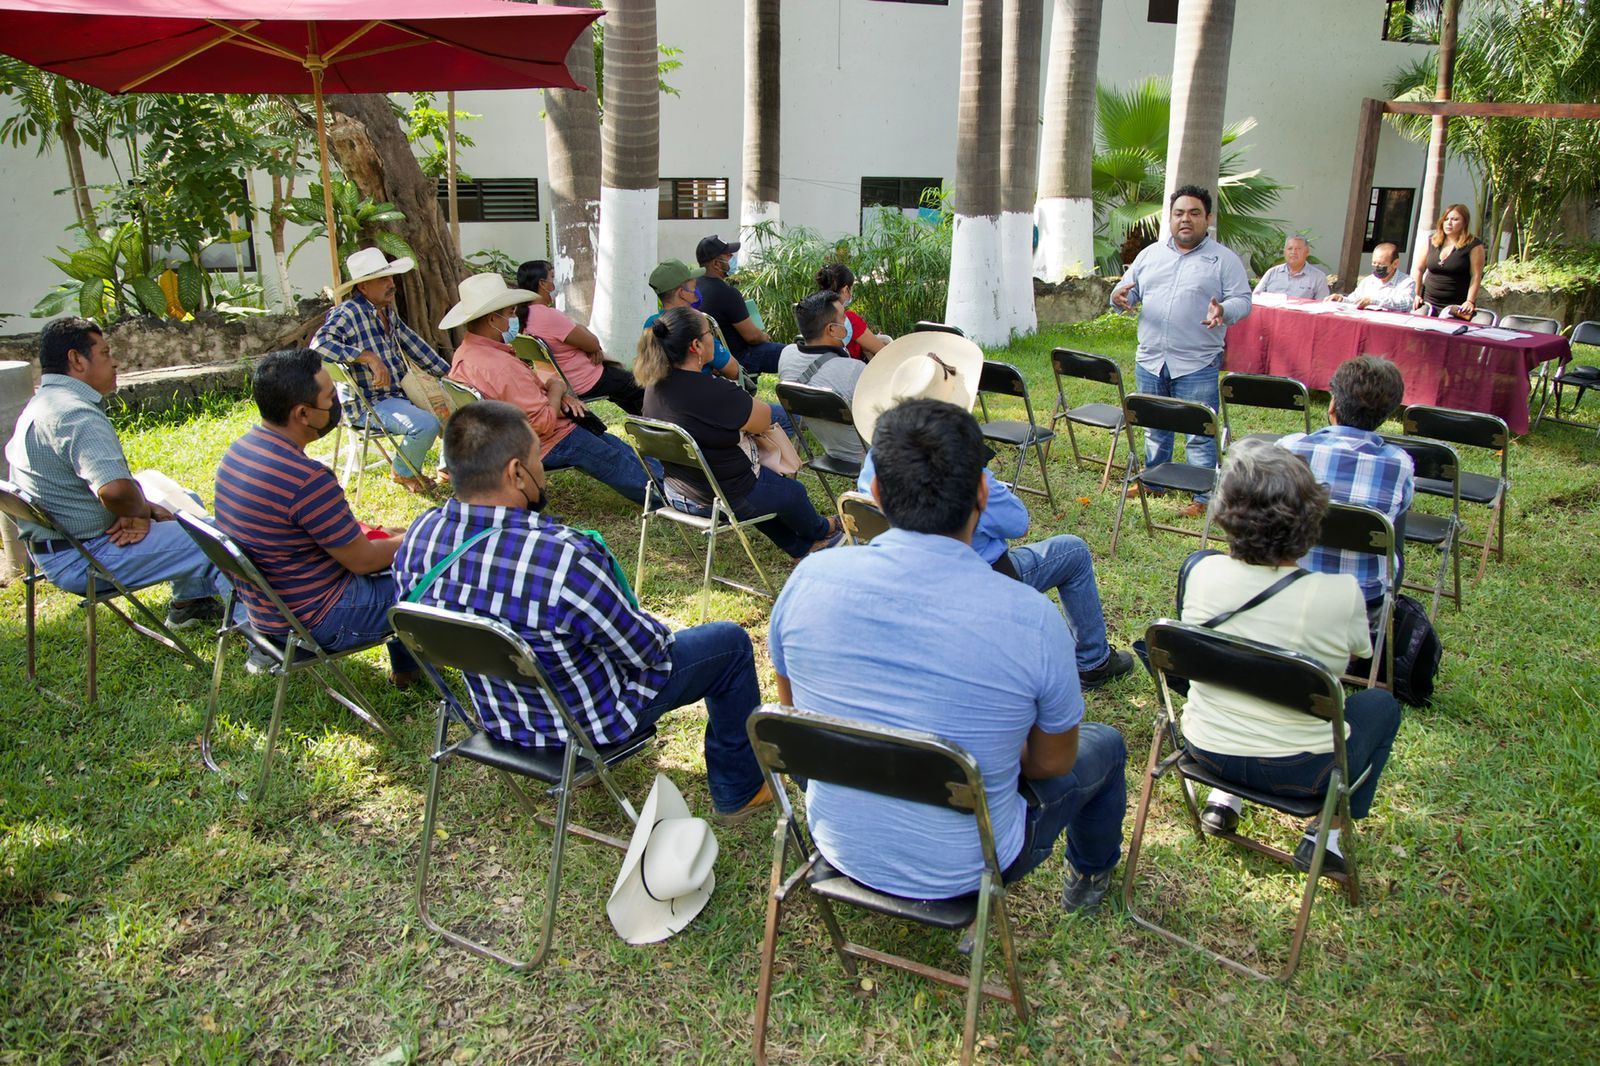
[366, 336]
[617, 668]
[1356, 464]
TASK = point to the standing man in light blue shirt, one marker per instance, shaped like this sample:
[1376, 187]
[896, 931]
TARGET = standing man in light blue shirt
[915, 631]
[1192, 289]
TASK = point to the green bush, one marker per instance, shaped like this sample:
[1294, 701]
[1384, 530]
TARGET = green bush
[1558, 270]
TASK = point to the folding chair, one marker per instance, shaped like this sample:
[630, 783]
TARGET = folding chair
[296, 652]
[102, 588]
[1577, 376]
[1530, 324]
[458, 395]
[1473, 430]
[536, 353]
[808, 403]
[1178, 416]
[441, 639]
[1285, 678]
[905, 765]
[1003, 379]
[370, 431]
[861, 517]
[667, 443]
[1482, 316]
[1067, 363]
[1437, 463]
[1352, 528]
[1262, 390]
[936, 327]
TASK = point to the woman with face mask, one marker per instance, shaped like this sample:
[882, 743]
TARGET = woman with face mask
[860, 341]
[575, 349]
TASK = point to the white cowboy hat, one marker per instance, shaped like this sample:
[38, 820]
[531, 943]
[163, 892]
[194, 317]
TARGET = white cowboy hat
[918, 366]
[481, 294]
[371, 263]
[666, 876]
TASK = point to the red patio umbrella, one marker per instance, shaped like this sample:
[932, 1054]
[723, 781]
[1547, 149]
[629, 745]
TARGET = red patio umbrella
[284, 46]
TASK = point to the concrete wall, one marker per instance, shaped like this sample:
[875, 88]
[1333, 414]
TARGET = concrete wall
[869, 89]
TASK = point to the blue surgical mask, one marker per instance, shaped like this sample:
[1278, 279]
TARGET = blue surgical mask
[733, 264]
[513, 328]
[849, 330]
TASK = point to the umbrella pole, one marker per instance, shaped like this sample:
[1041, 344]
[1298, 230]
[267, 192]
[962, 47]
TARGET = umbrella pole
[327, 181]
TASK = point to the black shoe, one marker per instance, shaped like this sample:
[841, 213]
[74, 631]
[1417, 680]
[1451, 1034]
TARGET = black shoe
[181, 614]
[1119, 662]
[1332, 861]
[1219, 818]
[1083, 893]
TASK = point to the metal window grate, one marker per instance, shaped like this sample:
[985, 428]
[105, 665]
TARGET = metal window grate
[494, 199]
[692, 198]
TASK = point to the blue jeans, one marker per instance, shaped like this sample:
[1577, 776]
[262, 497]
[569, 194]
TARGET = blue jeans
[714, 662]
[418, 429]
[762, 358]
[361, 616]
[797, 524]
[1373, 717]
[165, 554]
[1063, 563]
[604, 458]
[1201, 386]
[1088, 803]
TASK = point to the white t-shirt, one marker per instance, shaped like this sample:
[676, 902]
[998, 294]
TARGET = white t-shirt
[1320, 615]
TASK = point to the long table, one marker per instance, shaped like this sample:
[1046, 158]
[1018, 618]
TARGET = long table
[1471, 371]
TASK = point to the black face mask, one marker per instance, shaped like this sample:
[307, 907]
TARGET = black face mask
[537, 503]
[1380, 271]
[334, 414]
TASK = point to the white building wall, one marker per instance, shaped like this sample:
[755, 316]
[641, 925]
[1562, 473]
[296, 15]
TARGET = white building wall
[869, 89]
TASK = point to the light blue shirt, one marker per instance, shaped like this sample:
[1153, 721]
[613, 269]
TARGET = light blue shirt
[1176, 289]
[1310, 284]
[914, 631]
[1004, 519]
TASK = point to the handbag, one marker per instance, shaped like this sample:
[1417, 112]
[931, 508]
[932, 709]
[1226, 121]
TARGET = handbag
[774, 450]
[423, 389]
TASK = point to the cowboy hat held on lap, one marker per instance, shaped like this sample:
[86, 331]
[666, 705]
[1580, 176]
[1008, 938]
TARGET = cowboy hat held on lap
[666, 876]
[918, 366]
[480, 295]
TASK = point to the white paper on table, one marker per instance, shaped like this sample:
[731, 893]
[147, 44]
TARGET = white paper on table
[1269, 299]
[1437, 325]
[1495, 333]
[1318, 308]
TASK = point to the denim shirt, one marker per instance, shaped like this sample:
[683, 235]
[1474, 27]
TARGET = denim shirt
[1176, 289]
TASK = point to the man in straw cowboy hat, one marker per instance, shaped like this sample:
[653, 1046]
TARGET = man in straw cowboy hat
[914, 631]
[366, 336]
[485, 361]
[913, 367]
[619, 668]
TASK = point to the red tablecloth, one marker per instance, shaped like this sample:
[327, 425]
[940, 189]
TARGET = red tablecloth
[1464, 371]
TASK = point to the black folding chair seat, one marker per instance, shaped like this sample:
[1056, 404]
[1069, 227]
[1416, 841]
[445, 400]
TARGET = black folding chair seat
[1176, 416]
[1194, 770]
[1099, 415]
[1426, 528]
[826, 880]
[1475, 488]
[1178, 477]
[545, 764]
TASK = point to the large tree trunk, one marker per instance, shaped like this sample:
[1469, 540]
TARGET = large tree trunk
[762, 38]
[572, 143]
[1199, 92]
[365, 138]
[1065, 210]
[72, 145]
[630, 178]
[973, 302]
[1019, 160]
[1438, 130]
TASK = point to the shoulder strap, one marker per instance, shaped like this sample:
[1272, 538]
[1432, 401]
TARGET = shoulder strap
[816, 365]
[444, 564]
[1259, 598]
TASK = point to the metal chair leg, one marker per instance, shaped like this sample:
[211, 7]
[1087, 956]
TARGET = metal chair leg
[1044, 474]
[91, 605]
[980, 940]
[711, 550]
[1019, 999]
[272, 729]
[1313, 876]
[30, 598]
[769, 939]
[211, 704]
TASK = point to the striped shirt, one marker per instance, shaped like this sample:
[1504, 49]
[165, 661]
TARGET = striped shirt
[553, 585]
[1359, 467]
[285, 510]
[62, 453]
[356, 326]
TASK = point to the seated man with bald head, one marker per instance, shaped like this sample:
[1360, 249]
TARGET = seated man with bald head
[1295, 276]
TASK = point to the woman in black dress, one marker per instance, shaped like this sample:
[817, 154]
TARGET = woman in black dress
[1450, 271]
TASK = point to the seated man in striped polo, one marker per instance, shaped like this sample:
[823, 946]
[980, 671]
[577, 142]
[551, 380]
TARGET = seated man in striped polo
[289, 514]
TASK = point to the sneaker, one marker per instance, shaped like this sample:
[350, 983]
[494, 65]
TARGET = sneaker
[1332, 861]
[257, 661]
[181, 614]
[1083, 893]
[1219, 818]
[1119, 662]
[743, 814]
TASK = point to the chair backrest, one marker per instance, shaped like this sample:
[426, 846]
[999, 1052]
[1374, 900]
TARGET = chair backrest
[1169, 413]
[671, 444]
[536, 353]
[811, 401]
[19, 505]
[227, 556]
[1264, 390]
[862, 518]
[1284, 678]
[1002, 378]
[1484, 317]
[1351, 527]
[1070, 364]
[457, 394]
[1530, 323]
[1472, 428]
[1430, 459]
[1587, 333]
[936, 327]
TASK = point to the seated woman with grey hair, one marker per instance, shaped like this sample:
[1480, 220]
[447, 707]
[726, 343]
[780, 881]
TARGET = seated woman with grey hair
[1271, 507]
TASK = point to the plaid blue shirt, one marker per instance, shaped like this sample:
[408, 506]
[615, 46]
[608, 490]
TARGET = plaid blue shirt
[356, 326]
[1359, 467]
[553, 585]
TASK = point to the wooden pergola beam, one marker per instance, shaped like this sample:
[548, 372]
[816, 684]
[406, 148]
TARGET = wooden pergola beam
[1490, 109]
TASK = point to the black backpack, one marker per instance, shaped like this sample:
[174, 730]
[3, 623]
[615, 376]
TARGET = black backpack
[1416, 654]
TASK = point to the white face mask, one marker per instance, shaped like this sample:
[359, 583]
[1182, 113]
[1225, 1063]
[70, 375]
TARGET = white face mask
[513, 327]
[849, 330]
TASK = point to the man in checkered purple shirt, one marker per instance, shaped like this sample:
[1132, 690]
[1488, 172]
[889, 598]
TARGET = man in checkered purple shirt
[1356, 464]
[618, 668]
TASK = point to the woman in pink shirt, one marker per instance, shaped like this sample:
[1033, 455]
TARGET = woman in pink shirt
[575, 348]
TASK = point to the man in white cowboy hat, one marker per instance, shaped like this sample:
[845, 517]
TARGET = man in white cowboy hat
[1063, 562]
[666, 876]
[366, 336]
[485, 361]
[914, 631]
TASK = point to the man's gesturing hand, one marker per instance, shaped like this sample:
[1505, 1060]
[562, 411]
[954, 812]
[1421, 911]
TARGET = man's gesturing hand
[1120, 298]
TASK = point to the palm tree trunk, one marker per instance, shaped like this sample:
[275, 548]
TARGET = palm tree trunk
[973, 301]
[762, 39]
[1433, 171]
[1199, 92]
[1065, 210]
[1019, 159]
[630, 178]
[572, 143]
[72, 144]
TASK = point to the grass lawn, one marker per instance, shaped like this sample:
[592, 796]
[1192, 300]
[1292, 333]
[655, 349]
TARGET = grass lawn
[147, 915]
